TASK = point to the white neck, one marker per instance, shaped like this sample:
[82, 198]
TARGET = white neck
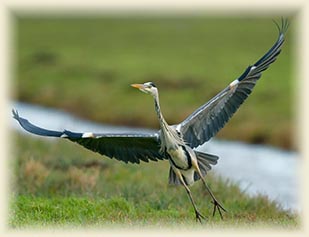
[163, 123]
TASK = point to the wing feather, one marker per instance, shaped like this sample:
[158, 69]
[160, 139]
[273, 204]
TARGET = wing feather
[207, 120]
[126, 147]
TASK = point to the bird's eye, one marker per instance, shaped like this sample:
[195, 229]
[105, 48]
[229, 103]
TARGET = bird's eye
[152, 84]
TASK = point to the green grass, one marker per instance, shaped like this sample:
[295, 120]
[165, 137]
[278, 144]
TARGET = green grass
[85, 66]
[53, 186]
[85, 212]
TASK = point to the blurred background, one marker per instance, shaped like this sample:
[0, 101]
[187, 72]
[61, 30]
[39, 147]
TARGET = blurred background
[84, 66]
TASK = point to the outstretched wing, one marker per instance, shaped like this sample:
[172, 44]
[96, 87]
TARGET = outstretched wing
[207, 120]
[127, 147]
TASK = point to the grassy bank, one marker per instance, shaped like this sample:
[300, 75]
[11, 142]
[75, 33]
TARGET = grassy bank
[118, 212]
[85, 66]
[54, 186]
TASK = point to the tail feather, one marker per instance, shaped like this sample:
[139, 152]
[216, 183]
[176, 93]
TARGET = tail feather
[204, 161]
[212, 159]
[172, 178]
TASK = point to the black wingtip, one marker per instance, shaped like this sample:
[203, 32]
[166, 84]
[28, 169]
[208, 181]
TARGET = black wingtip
[15, 114]
[282, 26]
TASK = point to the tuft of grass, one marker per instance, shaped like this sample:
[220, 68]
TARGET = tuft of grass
[108, 193]
[85, 66]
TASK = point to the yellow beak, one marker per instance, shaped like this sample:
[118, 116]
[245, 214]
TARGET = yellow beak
[138, 86]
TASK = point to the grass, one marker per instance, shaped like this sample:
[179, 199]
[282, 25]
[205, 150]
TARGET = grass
[85, 66]
[53, 186]
[84, 212]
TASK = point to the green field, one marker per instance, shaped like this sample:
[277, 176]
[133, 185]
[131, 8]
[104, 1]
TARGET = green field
[85, 66]
[54, 186]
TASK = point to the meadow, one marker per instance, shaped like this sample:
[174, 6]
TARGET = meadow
[85, 66]
[60, 184]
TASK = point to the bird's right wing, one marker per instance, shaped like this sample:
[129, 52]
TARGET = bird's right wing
[126, 147]
[207, 120]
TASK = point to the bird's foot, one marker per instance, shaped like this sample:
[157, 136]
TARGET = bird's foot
[199, 216]
[219, 207]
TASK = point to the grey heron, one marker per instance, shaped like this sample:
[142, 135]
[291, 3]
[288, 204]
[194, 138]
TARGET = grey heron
[176, 143]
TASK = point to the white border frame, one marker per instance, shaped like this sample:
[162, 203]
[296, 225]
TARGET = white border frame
[216, 7]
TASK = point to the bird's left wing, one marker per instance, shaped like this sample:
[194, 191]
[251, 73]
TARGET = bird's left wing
[126, 147]
[207, 120]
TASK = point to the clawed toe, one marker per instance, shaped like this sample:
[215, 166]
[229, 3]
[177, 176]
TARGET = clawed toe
[218, 206]
[199, 216]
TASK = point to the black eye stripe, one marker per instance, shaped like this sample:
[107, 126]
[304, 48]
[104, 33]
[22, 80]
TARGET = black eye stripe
[152, 84]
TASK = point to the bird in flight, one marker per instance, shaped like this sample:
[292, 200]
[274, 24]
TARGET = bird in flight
[176, 143]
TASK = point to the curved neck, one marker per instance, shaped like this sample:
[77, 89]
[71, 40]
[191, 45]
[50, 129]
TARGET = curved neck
[170, 138]
[163, 123]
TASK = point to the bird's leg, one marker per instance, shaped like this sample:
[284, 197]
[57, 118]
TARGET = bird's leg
[217, 205]
[198, 215]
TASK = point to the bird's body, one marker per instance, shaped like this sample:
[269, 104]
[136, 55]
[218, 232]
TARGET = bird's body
[181, 157]
[176, 143]
[172, 144]
[174, 148]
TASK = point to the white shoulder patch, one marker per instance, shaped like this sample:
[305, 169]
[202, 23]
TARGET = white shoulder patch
[87, 134]
[234, 83]
[178, 127]
[64, 135]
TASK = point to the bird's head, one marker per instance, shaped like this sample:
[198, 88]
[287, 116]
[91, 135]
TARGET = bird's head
[147, 87]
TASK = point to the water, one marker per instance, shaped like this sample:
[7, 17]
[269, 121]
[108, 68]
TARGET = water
[258, 169]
